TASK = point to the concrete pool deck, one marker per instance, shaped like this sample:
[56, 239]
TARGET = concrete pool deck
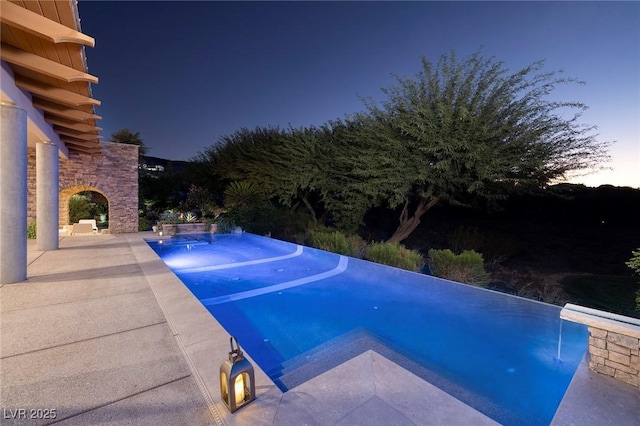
[103, 332]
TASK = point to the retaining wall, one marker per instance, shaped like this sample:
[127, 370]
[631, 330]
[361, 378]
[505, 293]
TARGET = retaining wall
[614, 342]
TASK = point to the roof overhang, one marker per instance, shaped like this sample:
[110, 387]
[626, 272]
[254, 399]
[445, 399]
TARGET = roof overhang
[44, 71]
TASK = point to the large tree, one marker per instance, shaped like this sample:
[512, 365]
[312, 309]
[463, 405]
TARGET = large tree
[128, 137]
[463, 130]
[289, 165]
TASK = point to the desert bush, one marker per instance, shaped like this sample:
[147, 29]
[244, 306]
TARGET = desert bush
[634, 264]
[495, 248]
[357, 245]
[31, 231]
[224, 225]
[143, 224]
[337, 242]
[247, 206]
[258, 220]
[545, 292]
[395, 254]
[466, 267]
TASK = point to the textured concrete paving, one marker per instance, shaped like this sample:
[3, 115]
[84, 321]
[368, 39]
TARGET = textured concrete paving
[104, 333]
[84, 336]
[597, 400]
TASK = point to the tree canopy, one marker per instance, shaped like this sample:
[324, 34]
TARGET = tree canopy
[459, 131]
[471, 129]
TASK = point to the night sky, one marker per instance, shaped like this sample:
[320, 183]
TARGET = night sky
[183, 74]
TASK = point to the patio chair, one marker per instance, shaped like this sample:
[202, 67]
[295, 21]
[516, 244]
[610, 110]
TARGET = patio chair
[82, 228]
[92, 222]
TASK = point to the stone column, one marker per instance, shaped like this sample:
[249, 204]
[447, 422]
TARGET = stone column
[13, 194]
[47, 165]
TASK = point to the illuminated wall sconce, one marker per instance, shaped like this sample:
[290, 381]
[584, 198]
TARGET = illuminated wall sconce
[160, 234]
[237, 381]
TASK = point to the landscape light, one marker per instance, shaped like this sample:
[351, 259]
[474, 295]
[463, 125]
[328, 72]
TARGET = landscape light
[237, 381]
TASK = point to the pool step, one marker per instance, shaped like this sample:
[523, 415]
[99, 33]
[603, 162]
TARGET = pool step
[325, 357]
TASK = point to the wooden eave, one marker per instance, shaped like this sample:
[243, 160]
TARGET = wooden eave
[65, 97]
[43, 45]
[43, 66]
[78, 135]
[31, 22]
[77, 142]
[83, 148]
[64, 111]
[73, 125]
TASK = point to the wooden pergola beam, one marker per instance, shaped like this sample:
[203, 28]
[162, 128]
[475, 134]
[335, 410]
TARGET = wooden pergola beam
[25, 20]
[64, 111]
[84, 150]
[43, 66]
[55, 94]
[77, 135]
[80, 145]
[73, 125]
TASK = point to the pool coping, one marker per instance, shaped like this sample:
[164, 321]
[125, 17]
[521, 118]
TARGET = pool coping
[203, 342]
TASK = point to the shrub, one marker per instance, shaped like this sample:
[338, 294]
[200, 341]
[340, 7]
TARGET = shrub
[225, 225]
[545, 292]
[634, 263]
[243, 194]
[466, 267]
[337, 242]
[190, 217]
[143, 224]
[79, 208]
[256, 219]
[395, 254]
[357, 246]
[31, 231]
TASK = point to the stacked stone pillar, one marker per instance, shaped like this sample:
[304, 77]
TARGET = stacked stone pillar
[615, 355]
[614, 342]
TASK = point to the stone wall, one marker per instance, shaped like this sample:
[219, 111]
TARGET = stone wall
[615, 355]
[113, 173]
[614, 342]
[184, 228]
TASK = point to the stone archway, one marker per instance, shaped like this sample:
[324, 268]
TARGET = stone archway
[65, 197]
[113, 173]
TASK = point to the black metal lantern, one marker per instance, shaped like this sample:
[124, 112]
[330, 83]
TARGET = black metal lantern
[237, 381]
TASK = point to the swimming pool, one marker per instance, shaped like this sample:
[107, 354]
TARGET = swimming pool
[299, 311]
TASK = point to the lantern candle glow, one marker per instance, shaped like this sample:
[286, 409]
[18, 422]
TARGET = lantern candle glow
[237, 381]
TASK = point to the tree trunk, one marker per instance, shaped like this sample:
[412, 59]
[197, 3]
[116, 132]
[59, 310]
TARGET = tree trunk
[409, 224]
[323, 217]
[294, 207]
[310, 208]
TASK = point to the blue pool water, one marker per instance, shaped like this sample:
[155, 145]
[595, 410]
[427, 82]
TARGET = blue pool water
[299, 311]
